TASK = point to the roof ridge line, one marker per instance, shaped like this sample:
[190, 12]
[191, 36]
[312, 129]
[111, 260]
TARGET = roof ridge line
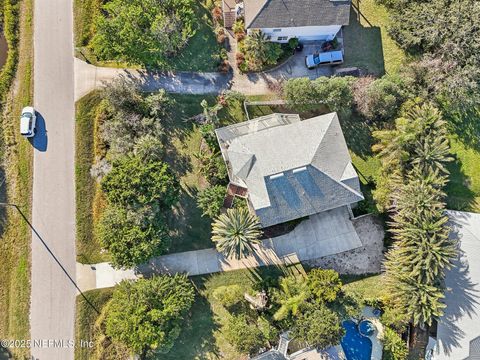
[256, 15]
[340, 182]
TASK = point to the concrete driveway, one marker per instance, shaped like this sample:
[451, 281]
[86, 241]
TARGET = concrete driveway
[295, 66]
[330, 232]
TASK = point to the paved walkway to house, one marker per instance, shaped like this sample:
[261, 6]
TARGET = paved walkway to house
[324, 234]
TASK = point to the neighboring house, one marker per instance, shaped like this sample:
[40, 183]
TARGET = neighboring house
[282, 20]
[458, 331]
[287, 168]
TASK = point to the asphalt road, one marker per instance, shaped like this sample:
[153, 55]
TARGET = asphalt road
[53, 214]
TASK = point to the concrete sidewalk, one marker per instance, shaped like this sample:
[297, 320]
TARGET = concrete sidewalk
[324, 234]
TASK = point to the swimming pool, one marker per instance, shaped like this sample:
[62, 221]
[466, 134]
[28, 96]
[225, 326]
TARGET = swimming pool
[354, 345]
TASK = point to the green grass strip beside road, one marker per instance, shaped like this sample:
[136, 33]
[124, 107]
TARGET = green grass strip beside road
[17, 161]
[88, 248]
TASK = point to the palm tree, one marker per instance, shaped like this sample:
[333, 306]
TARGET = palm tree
[292, 296]
[235, 233]
[415, 267]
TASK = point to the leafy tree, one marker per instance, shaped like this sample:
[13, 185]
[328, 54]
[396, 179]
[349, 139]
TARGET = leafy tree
[324, 285]
[146, 315]
[259, 51]
[444, 34]
[247, 338]
[143, 32]
[132, 117]
[394, 348]
[305, 94]
[210, 200]
[235, 233]
[379, 99]
[335, 92]
[133, 182]
[269, 332]
[124, 95]
[132, 237]
[228, 295]
[318, 326]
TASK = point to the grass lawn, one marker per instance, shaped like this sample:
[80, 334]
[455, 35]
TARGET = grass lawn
[88, 248]
[201, 336]
[86, 315]
[200, 54]
[463, 189]
[367, 43]
[17, 161]
[191, 230]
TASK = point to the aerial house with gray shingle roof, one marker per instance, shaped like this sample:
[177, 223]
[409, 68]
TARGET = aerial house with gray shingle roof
[282, 20]
[287, 168]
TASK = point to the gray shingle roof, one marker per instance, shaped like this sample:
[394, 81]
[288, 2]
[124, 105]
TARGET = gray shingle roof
[291, 170]
[295, 13]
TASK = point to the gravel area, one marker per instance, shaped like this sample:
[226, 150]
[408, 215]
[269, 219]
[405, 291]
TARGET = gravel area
[363, 260]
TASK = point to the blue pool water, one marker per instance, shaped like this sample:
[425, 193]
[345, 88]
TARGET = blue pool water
[366, 328]
[354, 345]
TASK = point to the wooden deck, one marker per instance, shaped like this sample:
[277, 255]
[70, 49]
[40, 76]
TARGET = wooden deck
[232, 191]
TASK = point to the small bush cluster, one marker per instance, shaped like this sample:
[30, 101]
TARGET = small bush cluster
[257, 51]
[136, 184]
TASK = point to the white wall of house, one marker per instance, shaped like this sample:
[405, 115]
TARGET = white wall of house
[303, 33]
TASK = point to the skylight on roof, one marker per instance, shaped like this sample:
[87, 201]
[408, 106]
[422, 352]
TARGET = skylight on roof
[276, 176]
[297, 170]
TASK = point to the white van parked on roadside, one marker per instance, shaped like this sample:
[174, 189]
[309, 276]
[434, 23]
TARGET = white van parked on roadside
[27, 122]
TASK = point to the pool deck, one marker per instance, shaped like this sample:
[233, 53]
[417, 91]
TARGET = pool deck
[377, 346]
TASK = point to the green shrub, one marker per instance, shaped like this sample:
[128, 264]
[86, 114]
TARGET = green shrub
[132, 237]
[143, 32]
[293, 43]
[134, 182]
[146, 315]
[379, 99]
[238, 27]
[305, 94]
[10, 30]
[244, 336]
[228, 295]
[210, 200]
[324, 284]
[394, 348]
[318, 326]
[259, 51]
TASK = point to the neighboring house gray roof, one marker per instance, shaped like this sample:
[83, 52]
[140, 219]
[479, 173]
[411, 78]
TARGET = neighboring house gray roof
[291, 168]
[458, 332]
[295, 13]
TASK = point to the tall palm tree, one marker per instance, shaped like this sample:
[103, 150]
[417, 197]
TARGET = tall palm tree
[235, 233]
[415, 266]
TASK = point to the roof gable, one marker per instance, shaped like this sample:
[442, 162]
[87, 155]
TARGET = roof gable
[295, 13]
[291, 170]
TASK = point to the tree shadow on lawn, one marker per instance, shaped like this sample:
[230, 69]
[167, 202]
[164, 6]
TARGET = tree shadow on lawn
[459, 195]
[191, 230]
[196, 341]
[358, 134]
[466, 125]
[363, 45]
